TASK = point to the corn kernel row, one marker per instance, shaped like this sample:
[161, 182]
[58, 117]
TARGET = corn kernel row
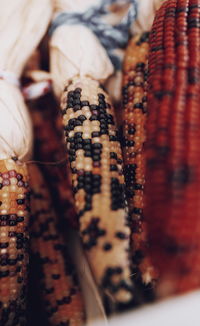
[14, 212]
[173, 146]
[49, 147]
[56, 274]
[134, 93]
[96, 164]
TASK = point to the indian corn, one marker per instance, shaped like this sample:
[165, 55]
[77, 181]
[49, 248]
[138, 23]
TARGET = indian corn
[56, 274]
[134, 116]
[173, 146]
[14, 212]
[49, 147]
[96, 164]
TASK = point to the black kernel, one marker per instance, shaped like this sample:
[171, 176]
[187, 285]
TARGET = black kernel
[107, 247]
[55, 276]
[121, 235]
[85, 103]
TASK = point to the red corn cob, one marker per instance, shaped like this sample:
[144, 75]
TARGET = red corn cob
[14, 211]
[173, 146]
[61, 293]
[134, 135]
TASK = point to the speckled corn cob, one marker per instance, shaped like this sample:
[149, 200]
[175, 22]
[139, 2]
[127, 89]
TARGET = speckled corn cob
[61, 294]
[96, 165]
[173, 146]
[49, 147]
[134, 135]
[14, 211]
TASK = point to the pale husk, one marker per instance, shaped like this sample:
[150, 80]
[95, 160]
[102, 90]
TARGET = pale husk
[22, 25]
[75, 50]
[146, 13]
[77, 5]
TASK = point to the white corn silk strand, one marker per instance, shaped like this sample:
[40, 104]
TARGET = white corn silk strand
[146, 13]
[88, 39]
[22, 25]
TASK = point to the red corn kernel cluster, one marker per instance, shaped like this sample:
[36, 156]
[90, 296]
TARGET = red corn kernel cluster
[54, 271]
[50, 148]
[173, 146]
[134, 116]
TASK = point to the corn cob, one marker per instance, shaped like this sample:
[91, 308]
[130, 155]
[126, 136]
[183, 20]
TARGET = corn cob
[14, 210]
[98, 184]
[61, 293]
[173, 146]
[50, 148]
[134, 135]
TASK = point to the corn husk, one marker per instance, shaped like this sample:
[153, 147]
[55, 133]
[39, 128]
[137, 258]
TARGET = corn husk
[146, 13]
[22, 25]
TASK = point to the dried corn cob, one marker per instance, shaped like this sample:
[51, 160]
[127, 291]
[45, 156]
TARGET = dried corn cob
[61, 294]
[134, 136]
[173, 146]
[98, 184]
[14, 210]
[50, 148]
